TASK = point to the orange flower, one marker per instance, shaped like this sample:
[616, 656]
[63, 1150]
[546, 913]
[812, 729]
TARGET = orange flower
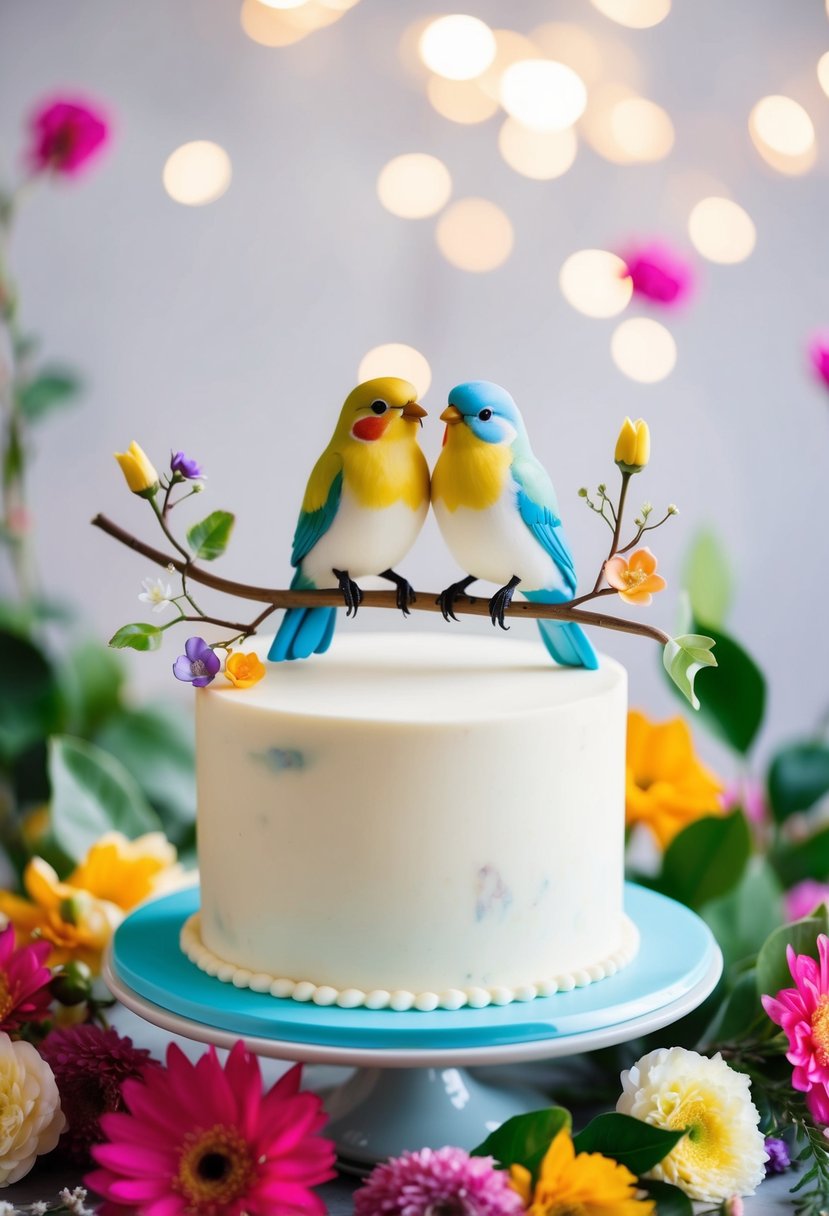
[571, 1182]
[244, 670]
[635, 580]
[666, 785]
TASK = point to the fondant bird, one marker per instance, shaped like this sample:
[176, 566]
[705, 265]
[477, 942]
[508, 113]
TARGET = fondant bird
[498, 513]
[366, 500]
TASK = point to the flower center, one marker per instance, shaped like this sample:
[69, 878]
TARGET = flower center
[199, 668]
[6, 999]
[215, 1168]
[706, 1140]
[634, 578]
[820, 1030]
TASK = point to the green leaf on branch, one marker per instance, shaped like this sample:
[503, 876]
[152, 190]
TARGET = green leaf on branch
[30, 703]
[707, 578]
[138, 636]
[684, 657]
[92, 793]
[798, 778]
[53, 388]
[742, 920]
[633, 1143]
[524, 1139]
[209, 538]
[670, 1200]
[772, 969]
[807, 858]
[706, 860]
[732, 705]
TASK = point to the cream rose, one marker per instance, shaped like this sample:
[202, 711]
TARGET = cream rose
[31, 1120]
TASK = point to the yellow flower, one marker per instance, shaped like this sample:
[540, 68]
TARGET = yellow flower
[666, 786]
[125, 872]
[633, 447]
[32, 1118]
[636, 579]
[583, 1184]
[244, 670]
[137, 468]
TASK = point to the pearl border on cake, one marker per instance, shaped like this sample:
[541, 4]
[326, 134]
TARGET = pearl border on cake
[401, 1000]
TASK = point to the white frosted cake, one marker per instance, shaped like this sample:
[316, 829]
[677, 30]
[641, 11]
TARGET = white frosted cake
[413, 821]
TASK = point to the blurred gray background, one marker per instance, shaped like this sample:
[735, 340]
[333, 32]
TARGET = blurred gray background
[234, 330]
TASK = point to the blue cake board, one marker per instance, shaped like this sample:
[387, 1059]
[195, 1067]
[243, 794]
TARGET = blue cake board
[677, 957]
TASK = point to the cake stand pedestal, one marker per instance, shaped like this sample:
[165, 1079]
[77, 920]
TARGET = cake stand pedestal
[412, 1087]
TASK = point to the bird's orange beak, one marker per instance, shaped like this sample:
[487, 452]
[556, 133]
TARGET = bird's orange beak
[413, 410]
[451, 415]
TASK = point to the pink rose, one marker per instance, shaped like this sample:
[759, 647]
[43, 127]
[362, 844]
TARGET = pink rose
[65, 135]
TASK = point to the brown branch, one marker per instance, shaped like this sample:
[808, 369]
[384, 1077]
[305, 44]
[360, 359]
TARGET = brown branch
[426, 601]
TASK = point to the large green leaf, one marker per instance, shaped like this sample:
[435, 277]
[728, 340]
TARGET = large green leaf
[738, 1012]
[524, 1139]
[50, 390]
[93, 793]
[30, 703]
[137, 636]
[706, 860]
[670, 1200]
[798, 778]
[633, 1143]
[807, 858]
[732, 703]
[683, 658]
[707, 578]
[91, 680]
[156, 746]
[208, 539]
[742, 920]
[772, 969]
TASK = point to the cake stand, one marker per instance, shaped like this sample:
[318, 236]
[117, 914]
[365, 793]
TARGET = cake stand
[412, 1086]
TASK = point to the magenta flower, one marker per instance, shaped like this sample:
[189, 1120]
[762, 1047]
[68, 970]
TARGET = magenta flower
[24, 982]
[659, 274]
[803, 1014]
[90, 1064]
[445, 1180]
[65, 136]
[202, 1140]
[198, 665]
[802, 899]
[749, 797]
[817, 1101]
[819, 357]
[189, 469]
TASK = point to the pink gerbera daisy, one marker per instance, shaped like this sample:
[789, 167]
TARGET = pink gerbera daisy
[803, 1013]
[24, 982]
[441, 1180]
[202, 1140]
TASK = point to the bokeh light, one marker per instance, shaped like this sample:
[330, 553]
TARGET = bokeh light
[542, 94]
[269, 26]
[197, 173]
[597, 124]
[721, 230]
[458, 47]
[397, 359]
[414, 185]
[642, 130]
[635, 14]
[461, 101]
[542, 155]
[643, 350]
[510, 47]
[572, 45]
[595, 282]
[783, 134]
[474, 234]
[823, 72]
[281, 3]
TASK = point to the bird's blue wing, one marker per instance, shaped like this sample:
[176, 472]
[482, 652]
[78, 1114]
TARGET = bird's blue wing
[320, 505]
[538, 507]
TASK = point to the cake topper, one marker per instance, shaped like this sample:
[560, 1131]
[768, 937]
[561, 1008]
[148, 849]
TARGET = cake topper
[360, 489]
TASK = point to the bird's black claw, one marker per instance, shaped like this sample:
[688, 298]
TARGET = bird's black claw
[405, 591]
[501, 601]
[352, 595]
[447, 597]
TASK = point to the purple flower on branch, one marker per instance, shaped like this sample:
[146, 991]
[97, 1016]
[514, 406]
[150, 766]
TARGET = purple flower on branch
[198, 665]
[189, 469]
[65, 135]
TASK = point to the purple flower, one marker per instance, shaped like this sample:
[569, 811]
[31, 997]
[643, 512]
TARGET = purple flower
[198, 665]
[659, 274]
[191, 469]
[779, 1159]
[819, 357]
[65, 135]
[445, 1180]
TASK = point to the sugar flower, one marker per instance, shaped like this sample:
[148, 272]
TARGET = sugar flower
[199, 1139]
[31, 1119]
[198, 665]
[126, 872]
[66, 134]
[723, 1152]
[186, 468]
[24, 982]
[138, 470]
[633, 447]
[659, 274]
[90, 1064]
[803, 1014]
[244, 670]
[779, 1157]
[437, 1180]
[804, 897]
[579, 1182]
[817, 1103]
[666, 786]
[635, 578]
[156, 592]
[819, 357]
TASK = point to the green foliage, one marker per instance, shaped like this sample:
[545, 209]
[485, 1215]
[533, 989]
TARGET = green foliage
[209, 538]
[707, 578]
[732, 705]
[705, 860]
[772, 969]
[798, 778]
[524, 1139]
[631, 1142]
[51, 389]
[30, 702]
[801, 859]
[138, 636]
[670, 1200]
[683, 657]
[92, 680]
[739, 1011]
[742, 919]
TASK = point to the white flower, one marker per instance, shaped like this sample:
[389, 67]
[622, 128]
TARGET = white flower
[31, 1120]
[723, 1152]
[156, 593]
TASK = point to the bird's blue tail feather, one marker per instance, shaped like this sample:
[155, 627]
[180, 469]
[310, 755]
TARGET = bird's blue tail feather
[304, 631]
[566, 641]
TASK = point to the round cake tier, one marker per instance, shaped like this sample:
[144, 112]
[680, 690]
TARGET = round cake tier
[416, 813]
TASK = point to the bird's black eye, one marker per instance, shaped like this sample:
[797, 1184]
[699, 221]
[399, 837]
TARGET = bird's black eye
[485, 415]
[379, 407]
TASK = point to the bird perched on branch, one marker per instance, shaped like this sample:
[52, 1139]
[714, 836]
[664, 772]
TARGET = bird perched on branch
[497, 509]
[365, 503]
